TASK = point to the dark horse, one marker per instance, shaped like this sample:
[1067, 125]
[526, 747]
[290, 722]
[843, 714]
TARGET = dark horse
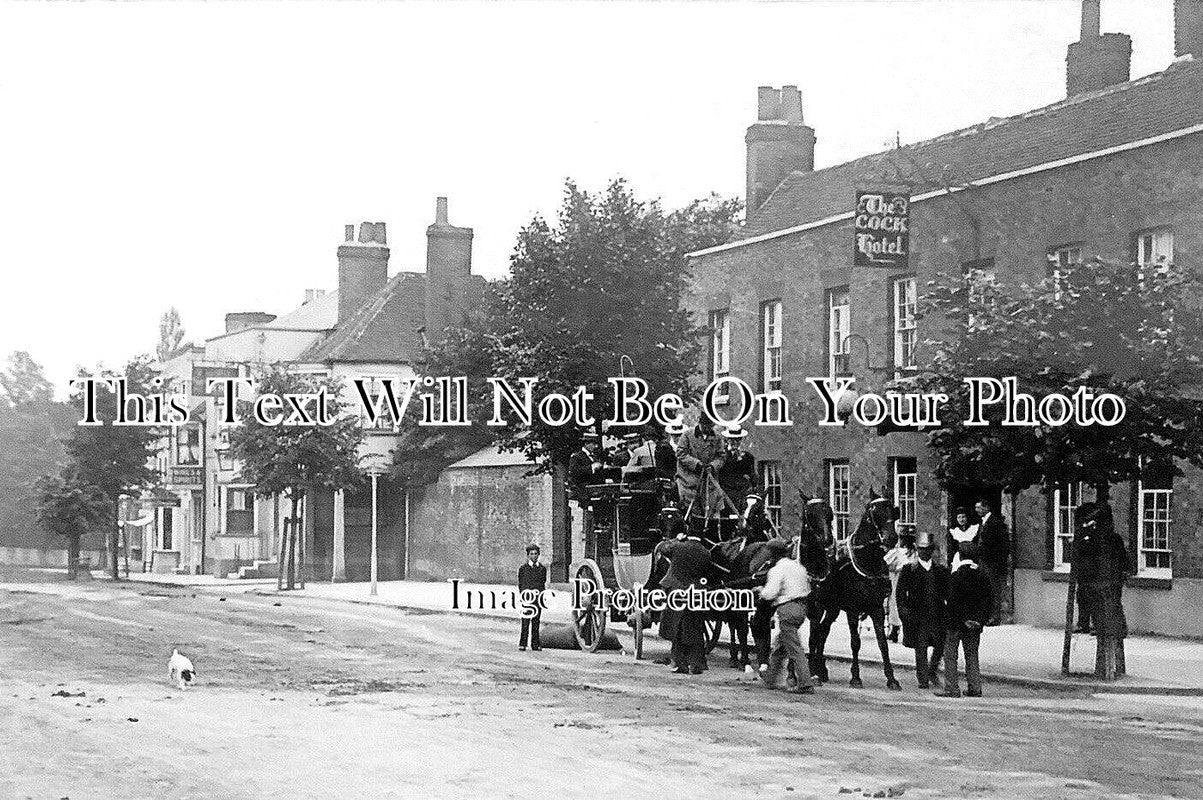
[741, 563]
[857, 585]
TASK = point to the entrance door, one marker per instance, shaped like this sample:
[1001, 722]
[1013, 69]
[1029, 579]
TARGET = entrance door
[165, 531]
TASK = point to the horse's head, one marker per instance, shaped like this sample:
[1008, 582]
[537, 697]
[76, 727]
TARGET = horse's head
[815, 540]
[880, 512]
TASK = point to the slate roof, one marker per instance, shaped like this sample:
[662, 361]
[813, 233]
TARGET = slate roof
[320, 314]
[492, 457]
[1143, 108]
[385, 328]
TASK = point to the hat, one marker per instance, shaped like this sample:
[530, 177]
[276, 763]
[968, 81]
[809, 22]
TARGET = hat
[590, 436]
[923, 539]
[733, 432]
[533, 546]
[751, 495]
[675, 427]
[631, 437]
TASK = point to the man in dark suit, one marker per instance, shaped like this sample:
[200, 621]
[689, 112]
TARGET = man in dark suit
[698, 450]
[689, 565]
[970, 607]
[737, 474]
[922, 595]
[532, 577]
[581, 466]
[995, 552]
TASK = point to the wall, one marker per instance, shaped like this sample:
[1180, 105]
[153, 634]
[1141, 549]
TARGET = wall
[1100, 203]
[475, 521]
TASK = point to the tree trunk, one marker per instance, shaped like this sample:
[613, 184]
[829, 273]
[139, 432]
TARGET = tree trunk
[301, 548]
[73, 556]
[292, 544]
[112, 541]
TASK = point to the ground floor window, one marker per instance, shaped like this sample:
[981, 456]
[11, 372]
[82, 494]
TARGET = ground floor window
[1154, 551]
[839, 490]
[905, 474]
[770, 482]
[1066, 499]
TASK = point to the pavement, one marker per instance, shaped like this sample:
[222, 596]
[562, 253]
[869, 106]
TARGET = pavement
[1020, 655]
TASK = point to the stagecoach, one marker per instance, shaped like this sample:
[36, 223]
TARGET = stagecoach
[621, 535]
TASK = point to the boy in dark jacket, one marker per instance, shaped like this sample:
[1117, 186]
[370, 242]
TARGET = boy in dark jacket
[970, 607]
[532, 576]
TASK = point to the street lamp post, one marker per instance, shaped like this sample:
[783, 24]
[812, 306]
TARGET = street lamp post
[375, 479]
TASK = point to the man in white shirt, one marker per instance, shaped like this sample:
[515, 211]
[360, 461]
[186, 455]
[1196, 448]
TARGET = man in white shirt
[787, 587]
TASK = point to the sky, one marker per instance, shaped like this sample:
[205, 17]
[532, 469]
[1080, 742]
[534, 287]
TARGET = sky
[207, 155]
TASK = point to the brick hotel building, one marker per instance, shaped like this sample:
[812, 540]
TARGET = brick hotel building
[1114, 170]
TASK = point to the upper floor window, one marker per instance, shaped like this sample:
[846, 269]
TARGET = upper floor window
[906, 494]
[906, 332]
[839, 492]
[980, 277]
[1061, 259]
[187, 446]
[720, 343]
[374, 386]
[770, 314]
[839, 327]
[1155, 246]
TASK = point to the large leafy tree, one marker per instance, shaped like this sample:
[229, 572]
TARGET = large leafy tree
[601, 282]
[292, 459]
[69, 506]
[423, 451]
[115, 459]
[24, 382]
[1134, 331]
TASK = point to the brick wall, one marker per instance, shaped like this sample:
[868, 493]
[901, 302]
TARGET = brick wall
[1100, 203]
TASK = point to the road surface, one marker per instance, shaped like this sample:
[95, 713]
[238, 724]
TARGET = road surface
[307, 698]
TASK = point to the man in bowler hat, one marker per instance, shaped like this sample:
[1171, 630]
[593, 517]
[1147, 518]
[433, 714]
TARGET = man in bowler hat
[922, 596]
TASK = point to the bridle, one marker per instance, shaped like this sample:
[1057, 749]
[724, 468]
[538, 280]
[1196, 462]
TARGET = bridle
[878, 529]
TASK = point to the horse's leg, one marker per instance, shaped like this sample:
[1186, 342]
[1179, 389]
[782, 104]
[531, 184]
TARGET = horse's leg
[879, 629]
[741, 622]
[820, 629]
[732, 621]
[854, 637]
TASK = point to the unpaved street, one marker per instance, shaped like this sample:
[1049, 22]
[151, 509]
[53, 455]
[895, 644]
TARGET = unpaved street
[301, 698]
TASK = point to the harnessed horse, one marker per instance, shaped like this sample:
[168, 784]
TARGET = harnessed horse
[856, 585]
[743, 562]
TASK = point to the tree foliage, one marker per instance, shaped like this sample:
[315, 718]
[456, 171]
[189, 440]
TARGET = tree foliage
[116, 459]
[171, 333]
[603, 281]
[24, 382]
[1111, 327]
[69, 506]
[294, 459]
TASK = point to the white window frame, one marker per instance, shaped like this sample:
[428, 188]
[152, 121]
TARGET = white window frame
[906, 325]
[1155, 246]
[373, 385]
[178, 432]
[1066, 499]
[839, 496]
[1060, 258]
[770, 483]
[771, 319]
[1154, 516]
[906, 496]
[720, 348]
[839, 328]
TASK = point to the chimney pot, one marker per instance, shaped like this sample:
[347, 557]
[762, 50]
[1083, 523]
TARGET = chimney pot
[1091, 19]
[440, 211]
[1188, 28]
[349, 233]
[768, 103]
[791, 104]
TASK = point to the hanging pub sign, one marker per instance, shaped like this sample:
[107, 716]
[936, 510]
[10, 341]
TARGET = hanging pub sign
[881, 227]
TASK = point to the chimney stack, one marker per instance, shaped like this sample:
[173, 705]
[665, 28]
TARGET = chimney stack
[448, 273]
[362, 266]
[779, 142]
[1188, 28]
[1097, 60]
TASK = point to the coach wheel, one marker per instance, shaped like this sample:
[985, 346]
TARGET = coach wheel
[589, 621]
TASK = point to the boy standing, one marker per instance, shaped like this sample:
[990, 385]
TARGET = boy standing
[532, 577]
[970, 608]
[786, 588]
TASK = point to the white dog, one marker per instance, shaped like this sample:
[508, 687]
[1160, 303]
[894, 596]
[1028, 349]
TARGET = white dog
[180, 670]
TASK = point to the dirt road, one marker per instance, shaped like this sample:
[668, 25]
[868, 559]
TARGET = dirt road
[304, 698]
